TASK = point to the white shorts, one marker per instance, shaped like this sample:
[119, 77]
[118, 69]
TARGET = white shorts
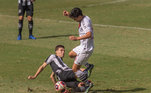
[82, 56]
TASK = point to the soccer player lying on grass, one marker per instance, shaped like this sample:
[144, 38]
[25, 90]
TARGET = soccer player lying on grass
[61, 70]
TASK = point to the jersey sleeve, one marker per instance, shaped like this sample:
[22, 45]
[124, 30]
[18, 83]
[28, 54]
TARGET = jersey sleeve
[50, 59]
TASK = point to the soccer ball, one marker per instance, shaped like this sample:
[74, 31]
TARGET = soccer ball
[60, 85]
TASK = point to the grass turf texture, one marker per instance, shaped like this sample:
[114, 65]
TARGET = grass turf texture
[122, 56]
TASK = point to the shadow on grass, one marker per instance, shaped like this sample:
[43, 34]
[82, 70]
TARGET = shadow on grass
[117, 91]
[55, 36]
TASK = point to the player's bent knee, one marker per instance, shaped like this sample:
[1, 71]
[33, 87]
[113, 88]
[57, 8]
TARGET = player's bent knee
[76, 67]
[72, 54]
[21, 17]
[29, 18]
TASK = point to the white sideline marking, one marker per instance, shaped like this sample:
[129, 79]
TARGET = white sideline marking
[98, 25]
[125, 27]
[111, 26]
[106, 3]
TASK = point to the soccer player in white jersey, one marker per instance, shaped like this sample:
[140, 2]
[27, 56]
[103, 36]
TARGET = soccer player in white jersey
[82, 52]
[63, 72]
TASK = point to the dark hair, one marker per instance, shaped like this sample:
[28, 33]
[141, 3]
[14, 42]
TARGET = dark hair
[75, 12]
[59, 46]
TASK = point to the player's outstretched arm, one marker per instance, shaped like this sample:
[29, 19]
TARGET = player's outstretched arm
[38, 71]
[87, 35]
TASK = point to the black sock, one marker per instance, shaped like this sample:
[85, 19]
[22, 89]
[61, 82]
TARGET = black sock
[20, 26]
[30, 27]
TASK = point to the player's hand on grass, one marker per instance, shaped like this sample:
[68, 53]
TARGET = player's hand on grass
[31, 77]
[65, 13]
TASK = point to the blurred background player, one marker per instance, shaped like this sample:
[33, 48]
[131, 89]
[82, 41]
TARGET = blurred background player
[61, 70]
[25, 6]
[82, 52]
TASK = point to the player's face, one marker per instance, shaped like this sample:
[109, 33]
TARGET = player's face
[60, 52]
[78, 19]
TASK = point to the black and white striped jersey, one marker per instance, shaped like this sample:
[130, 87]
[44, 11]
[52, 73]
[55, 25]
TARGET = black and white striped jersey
[57, 65]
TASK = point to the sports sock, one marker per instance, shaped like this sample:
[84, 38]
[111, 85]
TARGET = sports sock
[30, 27]
[20, 26]
[82, 76]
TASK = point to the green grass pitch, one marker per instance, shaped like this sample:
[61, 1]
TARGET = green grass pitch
[122, 55]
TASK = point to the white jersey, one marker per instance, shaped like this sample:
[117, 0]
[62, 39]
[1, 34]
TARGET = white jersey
[86, 26]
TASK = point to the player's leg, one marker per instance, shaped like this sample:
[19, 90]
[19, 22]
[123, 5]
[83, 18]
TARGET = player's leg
[75, 67]
[80, 74]
[81, 59]
[75, 87]
[72, 54]
[30, 27]
[20, 26]
[89, 69]
[29, 13]
[89, 66]
[83, 77]
[21, 11]
[87, 88]
[69, 78]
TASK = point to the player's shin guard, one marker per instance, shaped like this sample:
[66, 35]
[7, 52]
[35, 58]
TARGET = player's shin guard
[82, 76]
[20, 26]
[30, 27]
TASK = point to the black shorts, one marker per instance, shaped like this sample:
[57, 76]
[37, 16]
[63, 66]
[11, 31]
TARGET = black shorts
[67, 76]
[72, 84]
[25, 7]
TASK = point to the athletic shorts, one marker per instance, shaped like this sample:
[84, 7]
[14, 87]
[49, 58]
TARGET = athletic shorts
[67, 76]
[72, 84]
[27, 7]
[82, 56]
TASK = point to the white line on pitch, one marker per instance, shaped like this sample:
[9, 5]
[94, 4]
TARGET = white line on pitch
[98, 25]
[106, 3]
[111, 26]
